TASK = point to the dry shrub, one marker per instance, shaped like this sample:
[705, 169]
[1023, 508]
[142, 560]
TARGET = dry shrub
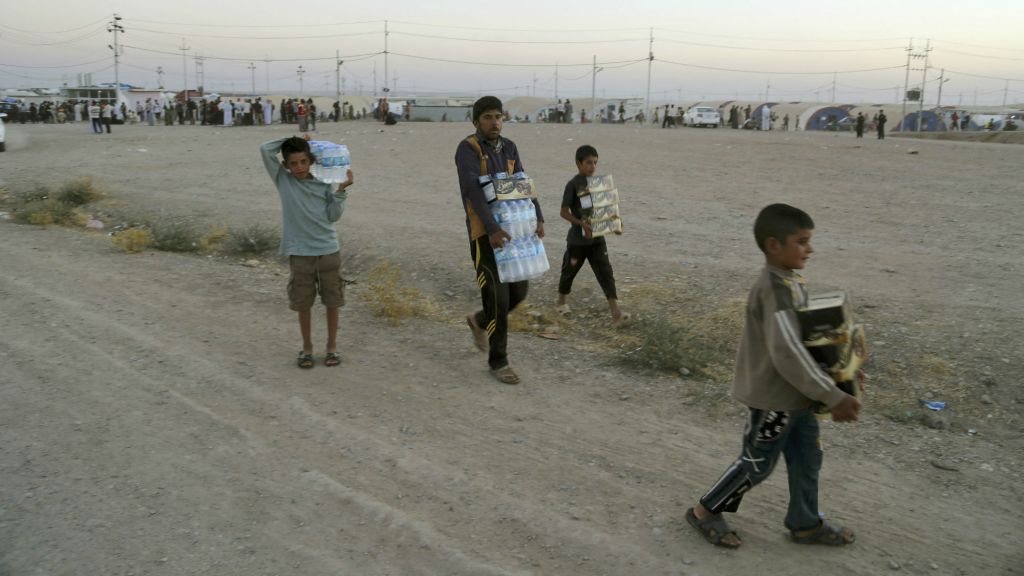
[388, 298]
[133, 240]
[699, 343]
[213, 237]
[253, 240]
[175, 236]
[41, 218]
[78, 192]
[933, 366]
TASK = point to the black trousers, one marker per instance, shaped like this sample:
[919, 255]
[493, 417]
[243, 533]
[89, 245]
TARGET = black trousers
[498, 299]
[597, 255]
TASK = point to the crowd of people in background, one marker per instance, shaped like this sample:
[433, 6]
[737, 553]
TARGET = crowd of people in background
[304, 113]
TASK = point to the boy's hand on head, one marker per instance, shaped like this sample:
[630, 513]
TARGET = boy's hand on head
[348, 182]
[847, 410]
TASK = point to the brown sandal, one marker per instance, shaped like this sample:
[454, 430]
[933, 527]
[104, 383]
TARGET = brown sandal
[305, 361]
[506, 375]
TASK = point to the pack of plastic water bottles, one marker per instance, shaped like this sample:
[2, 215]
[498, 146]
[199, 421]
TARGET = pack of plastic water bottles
[600, 199]
[332, 161]
[523, 257]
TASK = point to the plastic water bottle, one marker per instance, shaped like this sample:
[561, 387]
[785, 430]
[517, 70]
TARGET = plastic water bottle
[488, 187]
[541, 258]
[345, 160]
[531, 217]
[501, 258]
[514, 219]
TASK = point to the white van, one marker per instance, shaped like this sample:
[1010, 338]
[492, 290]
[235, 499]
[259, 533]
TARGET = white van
[701, 116]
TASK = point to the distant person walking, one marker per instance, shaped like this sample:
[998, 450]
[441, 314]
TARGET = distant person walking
[882, 119]
[94, 118]
[860, 125]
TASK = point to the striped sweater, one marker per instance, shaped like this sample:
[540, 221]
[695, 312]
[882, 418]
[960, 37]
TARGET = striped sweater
[774, 371]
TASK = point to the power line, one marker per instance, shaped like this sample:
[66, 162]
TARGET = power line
[761, 39]
[248, 59]
[100, 21]
[762, 49]
[686, 65]
[978, 55]
[493, 41]
[89, 34]
[61, 66]
[541, 30]
[259, 25]
[310, 37]
[451, 61]
[983, 76]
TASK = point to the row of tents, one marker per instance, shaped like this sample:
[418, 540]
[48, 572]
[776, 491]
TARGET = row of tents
[802, 115]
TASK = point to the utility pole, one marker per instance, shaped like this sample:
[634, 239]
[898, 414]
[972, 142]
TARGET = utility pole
[252, 70]
[833, 87]
[374, 79]
[906, 83]
[200, 72]
[160, 77]
[924, 79]
[534, 83]
[1006, 88]
[115, 27]
[593, 88]
[300, 71]
[556, 80]
[650, 60]
[942, 80]
[266, 61]
[184, 66]
[337, 75]
[385, 57]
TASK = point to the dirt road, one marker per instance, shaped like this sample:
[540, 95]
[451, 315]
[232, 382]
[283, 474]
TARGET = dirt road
[153, 422]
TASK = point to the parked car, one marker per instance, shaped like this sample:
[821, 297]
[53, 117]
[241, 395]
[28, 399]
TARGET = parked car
[701, 116]
[10, 110]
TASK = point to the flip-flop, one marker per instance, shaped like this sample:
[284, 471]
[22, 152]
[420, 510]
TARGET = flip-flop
[714, 529]
[826, 534]
[332, 359]
[479, 334]
[505, 375]
[305, 361]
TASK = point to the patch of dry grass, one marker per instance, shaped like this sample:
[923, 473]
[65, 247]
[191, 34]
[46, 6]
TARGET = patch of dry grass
[387, 297]
[213, 237]
[133, 240]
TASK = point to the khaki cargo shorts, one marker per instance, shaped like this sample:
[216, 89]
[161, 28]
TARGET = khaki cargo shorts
[312, 275]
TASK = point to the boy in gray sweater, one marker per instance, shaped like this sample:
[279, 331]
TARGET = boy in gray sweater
[780, 382]
[309, 210]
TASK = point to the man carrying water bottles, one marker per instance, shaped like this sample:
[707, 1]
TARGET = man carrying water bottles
[480, 158]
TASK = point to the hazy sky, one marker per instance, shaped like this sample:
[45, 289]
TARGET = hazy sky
[707, 50]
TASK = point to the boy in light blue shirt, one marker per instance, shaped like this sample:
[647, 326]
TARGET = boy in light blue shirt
[309, 209]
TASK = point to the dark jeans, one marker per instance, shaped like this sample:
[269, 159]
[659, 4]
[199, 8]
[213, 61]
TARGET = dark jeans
[97, 126]
[768, 434]
[498, 299]
[597, 255]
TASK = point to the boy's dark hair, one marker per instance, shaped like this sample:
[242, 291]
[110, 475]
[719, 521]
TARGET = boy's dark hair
[779, 221]
[486, 104]
[584, 152]
[293, 145]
